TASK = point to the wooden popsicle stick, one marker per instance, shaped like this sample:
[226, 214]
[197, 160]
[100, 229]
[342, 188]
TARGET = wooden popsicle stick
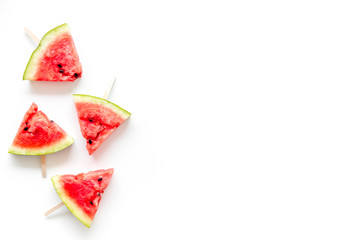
[59, 205]
[32, 36]
[53, 209]
[108, 89]
[43, 166]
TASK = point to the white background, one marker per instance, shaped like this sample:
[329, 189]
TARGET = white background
[245, 119]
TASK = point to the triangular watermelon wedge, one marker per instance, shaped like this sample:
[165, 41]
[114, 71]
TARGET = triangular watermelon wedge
[82, 193]
[98, 118]
[37, 135]
[55, 59]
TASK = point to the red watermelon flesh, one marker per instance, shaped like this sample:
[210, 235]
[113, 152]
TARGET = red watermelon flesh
[37, 135]
[55, 59]
[82, 193]
[98, 118]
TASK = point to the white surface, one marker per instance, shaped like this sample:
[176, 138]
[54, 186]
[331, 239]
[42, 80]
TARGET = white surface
[245, 125]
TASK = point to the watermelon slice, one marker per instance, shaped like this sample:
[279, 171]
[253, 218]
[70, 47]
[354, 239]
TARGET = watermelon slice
[38, 135]
[55, 59]
[82, 193]
[98, 118]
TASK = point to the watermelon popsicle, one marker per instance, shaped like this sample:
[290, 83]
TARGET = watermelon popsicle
[37, 135]
[98, 117]
[55, 59]
[81, 193]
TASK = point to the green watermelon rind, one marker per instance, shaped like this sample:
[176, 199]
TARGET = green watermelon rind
[32, 65]
[55, 147]
[70, 203]
[101, 101]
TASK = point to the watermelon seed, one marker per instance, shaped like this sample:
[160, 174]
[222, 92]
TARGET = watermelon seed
[59, 65]
[90, 120]
[98, 194]
[76, 75]
[51, 121]
[91, 203]
[26, 128]
[90, 142]
[99, 179]
[61, 71]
